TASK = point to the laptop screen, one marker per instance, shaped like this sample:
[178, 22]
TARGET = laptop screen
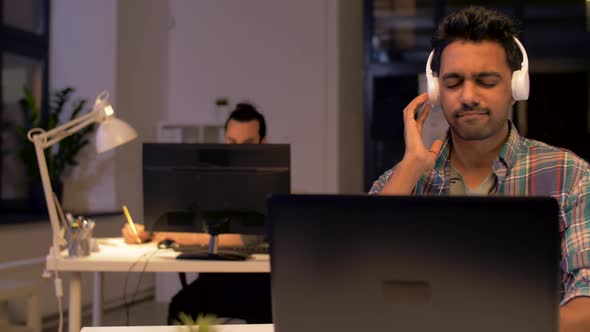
[355, 263]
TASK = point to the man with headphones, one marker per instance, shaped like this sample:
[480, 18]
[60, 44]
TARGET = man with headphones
[476, 72]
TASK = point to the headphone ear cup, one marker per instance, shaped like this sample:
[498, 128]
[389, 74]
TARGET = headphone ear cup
[431, 82]
[520, 85]
[433, 90]
[520, 78]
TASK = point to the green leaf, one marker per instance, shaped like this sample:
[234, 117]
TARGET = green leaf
[21, 130]
[78, 108]
[207, 322]
[31, 105]
[60, 99]
[185, 319]
[65, 153]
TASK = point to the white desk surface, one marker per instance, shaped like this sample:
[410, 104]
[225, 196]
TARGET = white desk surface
[220, 328]
[116, 256]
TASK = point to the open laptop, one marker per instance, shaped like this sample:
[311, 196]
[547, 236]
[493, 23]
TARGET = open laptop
[414, 264]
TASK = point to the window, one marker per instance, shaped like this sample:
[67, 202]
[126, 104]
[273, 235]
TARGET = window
[24, 51]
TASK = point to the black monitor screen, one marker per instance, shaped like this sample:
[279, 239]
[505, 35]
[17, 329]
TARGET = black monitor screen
[189, 186]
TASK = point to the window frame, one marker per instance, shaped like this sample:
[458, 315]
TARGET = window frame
[35, 46]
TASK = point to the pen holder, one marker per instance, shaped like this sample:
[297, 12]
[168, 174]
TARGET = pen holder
[79, 242]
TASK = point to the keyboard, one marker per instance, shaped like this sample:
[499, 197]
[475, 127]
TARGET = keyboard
[249, 250]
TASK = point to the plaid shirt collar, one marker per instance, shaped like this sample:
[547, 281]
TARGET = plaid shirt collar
[441, 172]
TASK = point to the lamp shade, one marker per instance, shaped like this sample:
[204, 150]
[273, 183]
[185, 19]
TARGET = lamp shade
[113, 132]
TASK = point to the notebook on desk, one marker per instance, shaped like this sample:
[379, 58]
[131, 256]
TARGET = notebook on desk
[418, 264]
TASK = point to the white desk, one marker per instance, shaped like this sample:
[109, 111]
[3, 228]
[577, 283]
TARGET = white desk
[220, 328]
[116, 256]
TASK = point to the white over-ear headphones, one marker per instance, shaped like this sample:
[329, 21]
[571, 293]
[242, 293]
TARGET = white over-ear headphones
[520, 78]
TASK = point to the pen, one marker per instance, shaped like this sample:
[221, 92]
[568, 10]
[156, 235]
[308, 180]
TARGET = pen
[131, 224]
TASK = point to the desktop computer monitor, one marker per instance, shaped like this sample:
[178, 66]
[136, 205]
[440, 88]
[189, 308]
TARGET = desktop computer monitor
[219, 188]
[420, 264]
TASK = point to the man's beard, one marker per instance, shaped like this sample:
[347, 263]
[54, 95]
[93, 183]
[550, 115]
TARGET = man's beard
[474, 129]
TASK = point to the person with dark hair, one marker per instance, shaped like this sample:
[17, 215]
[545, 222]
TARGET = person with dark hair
[245, 125]
[238, 297]
[478, 70]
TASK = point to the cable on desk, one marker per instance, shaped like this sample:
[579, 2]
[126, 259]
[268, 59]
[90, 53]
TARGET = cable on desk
[59, 292]
[59, 295]
[57, 282]
[126, 305]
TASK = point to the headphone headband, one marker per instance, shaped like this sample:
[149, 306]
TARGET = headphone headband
[524, 65]
[520, 78]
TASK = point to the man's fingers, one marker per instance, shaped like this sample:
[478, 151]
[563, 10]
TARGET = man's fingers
[424, 114]
[422, 118]
[436, 146]
[413, 107]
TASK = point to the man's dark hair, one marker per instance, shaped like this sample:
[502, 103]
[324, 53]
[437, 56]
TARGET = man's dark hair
[477, 24]
[245, 112]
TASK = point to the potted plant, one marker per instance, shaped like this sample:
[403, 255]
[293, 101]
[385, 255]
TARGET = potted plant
[203, 323]
[61, 156]
[222, 108]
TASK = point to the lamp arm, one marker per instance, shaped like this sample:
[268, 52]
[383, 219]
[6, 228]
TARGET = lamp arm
[42, 140]
[70, 131]
[47, 139]
[48, 191]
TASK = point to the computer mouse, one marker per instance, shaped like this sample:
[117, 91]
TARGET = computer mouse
[166, 244]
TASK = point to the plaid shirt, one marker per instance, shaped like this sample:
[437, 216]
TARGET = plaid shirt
[526, 167]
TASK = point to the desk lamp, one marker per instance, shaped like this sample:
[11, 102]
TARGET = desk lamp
[111, 133]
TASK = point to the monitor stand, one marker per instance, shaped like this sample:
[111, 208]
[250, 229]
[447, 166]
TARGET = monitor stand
[213, 253]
